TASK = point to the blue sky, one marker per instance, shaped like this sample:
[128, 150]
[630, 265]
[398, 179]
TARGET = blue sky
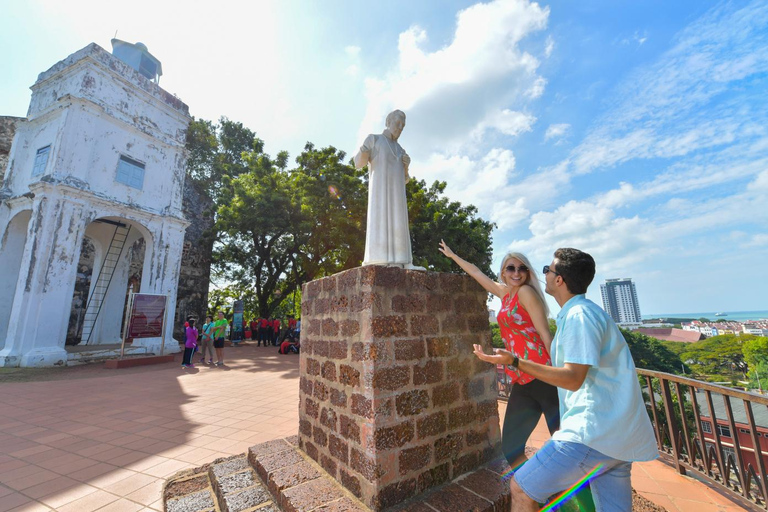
[636, 131]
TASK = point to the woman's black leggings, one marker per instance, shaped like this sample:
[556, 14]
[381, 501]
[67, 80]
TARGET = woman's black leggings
[527, 402]
[188, 353]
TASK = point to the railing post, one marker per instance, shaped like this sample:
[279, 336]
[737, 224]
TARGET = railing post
[758, 451]
[671, 424]
[686, 434]
[740, 476]
[656, 424]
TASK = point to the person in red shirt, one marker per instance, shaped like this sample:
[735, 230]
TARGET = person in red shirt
[263, 331]
[276, 328]
[254, 332]
[525, 332]
[291, 322]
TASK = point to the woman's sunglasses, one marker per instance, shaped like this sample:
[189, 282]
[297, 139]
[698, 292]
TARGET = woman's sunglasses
[512, 268]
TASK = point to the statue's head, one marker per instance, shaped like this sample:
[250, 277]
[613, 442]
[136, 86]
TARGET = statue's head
[396, 123]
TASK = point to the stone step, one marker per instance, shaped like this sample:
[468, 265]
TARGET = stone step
[102, 354]
[277, 476]
[237, 487]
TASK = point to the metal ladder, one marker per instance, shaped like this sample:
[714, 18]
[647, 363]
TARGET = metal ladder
[111, 259]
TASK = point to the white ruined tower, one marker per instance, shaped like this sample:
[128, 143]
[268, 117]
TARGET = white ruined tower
[100, 156]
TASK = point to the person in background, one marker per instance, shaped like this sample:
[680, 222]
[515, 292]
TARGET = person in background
[190, 344]
[206, 335]
[525, 331]
[263, 331]
[254, 330]
[291, 323]
[276, 328]
[219, 335]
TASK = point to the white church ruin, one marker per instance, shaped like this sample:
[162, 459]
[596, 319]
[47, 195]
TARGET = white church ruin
[95, 174]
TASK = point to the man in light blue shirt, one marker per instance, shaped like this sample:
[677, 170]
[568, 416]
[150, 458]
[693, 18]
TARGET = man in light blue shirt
[604, 425]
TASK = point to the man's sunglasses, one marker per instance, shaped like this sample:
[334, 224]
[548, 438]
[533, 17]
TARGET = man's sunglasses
[512, 268]
[546, 270]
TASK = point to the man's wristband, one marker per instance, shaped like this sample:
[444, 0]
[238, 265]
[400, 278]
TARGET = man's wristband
[515, 362]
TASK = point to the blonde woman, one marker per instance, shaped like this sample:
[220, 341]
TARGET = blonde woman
[525, 332]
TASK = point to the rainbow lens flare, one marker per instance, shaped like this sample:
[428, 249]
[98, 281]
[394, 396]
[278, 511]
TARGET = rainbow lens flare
[571, 491]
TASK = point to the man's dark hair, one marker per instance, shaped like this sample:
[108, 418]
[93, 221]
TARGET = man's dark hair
[191, 322]
[577, 269]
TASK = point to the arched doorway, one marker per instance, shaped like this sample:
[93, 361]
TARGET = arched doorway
[112, 257]
[11, 253]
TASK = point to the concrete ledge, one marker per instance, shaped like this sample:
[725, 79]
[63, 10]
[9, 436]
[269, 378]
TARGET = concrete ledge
[116, 364]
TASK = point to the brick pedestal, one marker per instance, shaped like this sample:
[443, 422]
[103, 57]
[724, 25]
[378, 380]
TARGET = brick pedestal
[393, 402]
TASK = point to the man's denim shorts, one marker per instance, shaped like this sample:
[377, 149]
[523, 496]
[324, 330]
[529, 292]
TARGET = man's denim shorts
[559, 464]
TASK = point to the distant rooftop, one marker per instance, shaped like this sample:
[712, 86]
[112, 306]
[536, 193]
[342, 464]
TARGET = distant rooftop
[671, 334]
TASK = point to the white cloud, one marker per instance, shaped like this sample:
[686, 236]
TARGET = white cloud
[759, 240]
[481, 182]
[550, 47]
[505, 121]
[556, 131]
[352, 51]
[508, 214]
[471, 84]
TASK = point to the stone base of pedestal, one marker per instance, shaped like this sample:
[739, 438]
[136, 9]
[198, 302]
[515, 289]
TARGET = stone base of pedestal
[393, 401]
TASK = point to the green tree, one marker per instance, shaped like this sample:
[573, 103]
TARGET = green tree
[216, 152]
[717, 357]
[755, 349]
[434, 217]
[496, 340]
[651, 354]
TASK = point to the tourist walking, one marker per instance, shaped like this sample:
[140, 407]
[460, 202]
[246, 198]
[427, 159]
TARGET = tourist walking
[605, 425]
[219, 335]
[206, 341]
[525, 331]
[190, 344]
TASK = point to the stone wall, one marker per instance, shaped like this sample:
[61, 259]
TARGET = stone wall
[393, 402]
[195, 272]
[7, 130]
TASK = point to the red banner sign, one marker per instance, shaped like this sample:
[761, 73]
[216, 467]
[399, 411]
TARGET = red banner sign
[147, 316]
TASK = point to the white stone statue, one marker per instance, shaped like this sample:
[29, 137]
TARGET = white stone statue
[387, 240]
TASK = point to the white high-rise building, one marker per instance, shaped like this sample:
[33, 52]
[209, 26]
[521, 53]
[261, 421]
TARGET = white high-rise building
[620, 301]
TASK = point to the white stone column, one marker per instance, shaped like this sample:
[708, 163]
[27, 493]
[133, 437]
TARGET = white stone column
[161, 276]
[40, 314]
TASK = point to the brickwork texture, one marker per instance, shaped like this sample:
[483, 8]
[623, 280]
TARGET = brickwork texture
[393, 402]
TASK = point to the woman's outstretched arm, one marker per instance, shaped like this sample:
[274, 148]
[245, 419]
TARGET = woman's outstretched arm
[486, 282]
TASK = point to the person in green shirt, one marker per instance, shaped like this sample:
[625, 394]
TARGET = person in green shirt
[219, 334]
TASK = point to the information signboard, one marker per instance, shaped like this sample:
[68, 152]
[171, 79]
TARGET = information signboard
[146, 316]
[237, 321]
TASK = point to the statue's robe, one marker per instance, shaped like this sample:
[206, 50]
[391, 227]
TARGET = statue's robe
[387, 240]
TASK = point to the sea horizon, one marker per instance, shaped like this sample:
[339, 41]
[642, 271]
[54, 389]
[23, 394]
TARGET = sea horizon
[736, 316]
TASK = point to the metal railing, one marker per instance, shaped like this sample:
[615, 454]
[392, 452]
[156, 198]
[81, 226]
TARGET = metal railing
[679, 407]
[678, 404]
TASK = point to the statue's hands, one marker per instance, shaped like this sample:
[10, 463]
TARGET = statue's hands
[406, 160]
[445, 249]
[499, 356]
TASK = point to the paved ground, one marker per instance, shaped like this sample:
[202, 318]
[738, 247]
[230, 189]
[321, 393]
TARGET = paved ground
[84, 438]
